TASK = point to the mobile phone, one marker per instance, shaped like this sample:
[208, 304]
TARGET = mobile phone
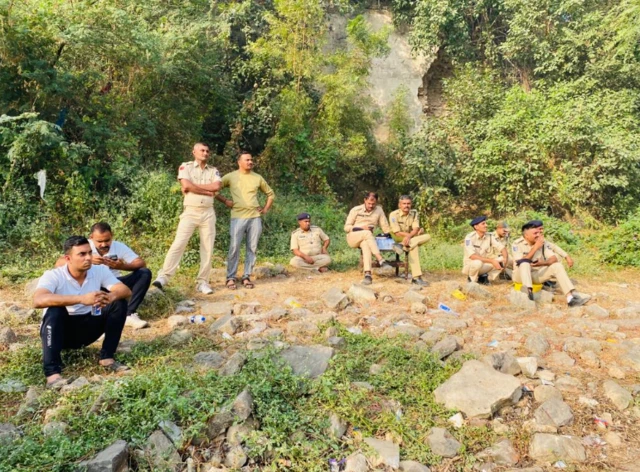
[113, 257]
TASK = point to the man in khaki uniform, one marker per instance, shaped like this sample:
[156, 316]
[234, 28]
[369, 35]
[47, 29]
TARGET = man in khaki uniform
[199, 182]
[554, 247]
[479, 263]
[309, 246]
[361, 222]
[409, 236]
[536, 262]
[503, 236]
[246, 213]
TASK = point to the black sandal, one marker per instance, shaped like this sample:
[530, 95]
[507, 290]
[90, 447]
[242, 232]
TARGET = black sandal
[247, 283]
[231, 284]
[116, 367]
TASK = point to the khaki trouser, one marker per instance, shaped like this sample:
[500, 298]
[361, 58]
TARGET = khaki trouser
[321, 260]
[364, 240]
[476, 268]
[527, 275]
[191, 218]
[414, 253]
[509, 267]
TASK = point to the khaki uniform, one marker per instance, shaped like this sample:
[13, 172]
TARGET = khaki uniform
[506, 242]
[198, 213]
[359, 217]
[309, 243]
[557, 249]
[527, 275]
[483, 247]
[400, 222]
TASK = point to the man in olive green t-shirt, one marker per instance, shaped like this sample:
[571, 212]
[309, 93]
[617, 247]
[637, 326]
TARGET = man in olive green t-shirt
[245, 216]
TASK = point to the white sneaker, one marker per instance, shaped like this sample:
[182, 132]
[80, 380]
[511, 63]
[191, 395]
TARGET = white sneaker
[134, 321]
[160, 282]
[205, 288]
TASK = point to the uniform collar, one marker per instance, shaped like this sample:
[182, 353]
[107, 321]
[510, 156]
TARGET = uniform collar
[364, 208]
[195, 164]
[69, 277]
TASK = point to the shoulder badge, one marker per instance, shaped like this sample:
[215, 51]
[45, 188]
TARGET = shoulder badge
[467, 242]
[515, 248]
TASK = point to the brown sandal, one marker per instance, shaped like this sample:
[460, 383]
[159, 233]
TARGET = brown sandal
[231, 284]
[247, 283]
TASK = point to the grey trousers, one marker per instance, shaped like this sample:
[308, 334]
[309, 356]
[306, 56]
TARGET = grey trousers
[251, 228]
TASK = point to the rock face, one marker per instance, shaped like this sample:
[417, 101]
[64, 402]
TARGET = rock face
[478, 390]
[442, 443]
[112, 459]
[387, 453]
[550, 448]
[308, 361]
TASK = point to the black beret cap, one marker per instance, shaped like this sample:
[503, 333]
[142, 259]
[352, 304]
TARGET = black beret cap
[537, 223]
[532, 224]
[478, 220]
[304, 216]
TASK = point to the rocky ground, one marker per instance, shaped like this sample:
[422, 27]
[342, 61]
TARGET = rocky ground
[556, 386]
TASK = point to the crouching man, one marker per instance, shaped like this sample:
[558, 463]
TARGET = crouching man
[77, 312]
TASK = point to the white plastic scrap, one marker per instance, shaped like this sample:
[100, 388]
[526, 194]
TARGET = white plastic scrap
[42, 181]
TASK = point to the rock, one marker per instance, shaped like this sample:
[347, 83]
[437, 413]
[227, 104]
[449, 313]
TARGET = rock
[478, 390]
[568, 384]
[227, 324]
[238, 433]
[337, 426]
[414, 297]
[618, 395]
[361, 294]
[7, 337]
[528, 365]
[554, 412]
[503, 362]
[356, 462]
[442, 443]
[55, 427]
[177, 320]
[413, 466]
[445, 347]
[418, 308]
[521, 300]
[596, 311]
[235, 458]
[336, 342]
[233, 365]
[502, 453]
[616, 372]
[537, 344]
[172, 431]
[451, 325]
[475, 290]
[8, 433]
[115, 458]
[209, 360]
[561, 360]
[246, 308]
[30, 403]
[243, 405]
[126, 346]
[180, 337]
[551, 448]
[219, 423]
[578, 345]
[457, 420]
[335, 299]
[161, 452]
[12, 386]
[387, 452]
[216, 309]
[308, 361]
[403, 329]
[302, 328]
[590, 359]
[613, 439]
[542, 393]
[432, 336]
[75, 385]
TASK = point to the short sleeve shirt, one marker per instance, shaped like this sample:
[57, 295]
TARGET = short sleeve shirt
[482, 246]
[359, 217]
[119, 249]
[521, 248]
[308, 242]
[244, 193]
[400, 222]
[192, 172]
[60, 282]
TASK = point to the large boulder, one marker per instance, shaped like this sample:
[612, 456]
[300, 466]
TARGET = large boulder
[308, 361]
[478, 390]
[335, 299]
[361, 294]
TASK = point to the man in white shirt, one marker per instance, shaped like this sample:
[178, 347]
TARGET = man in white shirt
[77, 310]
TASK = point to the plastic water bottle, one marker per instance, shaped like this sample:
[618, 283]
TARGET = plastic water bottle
[445, 308]
[96, 310]
[197, 319]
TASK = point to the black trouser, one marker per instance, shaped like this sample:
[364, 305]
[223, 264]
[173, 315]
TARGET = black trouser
[138, 282]
[60, 331]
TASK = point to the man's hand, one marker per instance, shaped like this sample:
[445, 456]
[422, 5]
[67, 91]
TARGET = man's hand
[96, 298]
[539, 242]
[309, 260]
[228, 203]
[406, 241]
[496, 264]
[324, 251]
[569, 260]
[97, 260]
[117, 264]
[263, 210]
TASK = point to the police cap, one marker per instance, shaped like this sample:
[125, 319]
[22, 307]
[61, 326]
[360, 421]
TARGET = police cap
[303, 216]
[478, 220]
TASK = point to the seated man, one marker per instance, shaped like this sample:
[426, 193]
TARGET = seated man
[535, 262]
[309, 245]
[77, 310]
[361, 222]
[409, 236]
[554, 247]
[503, 236]
[118, 256]
[479, 263]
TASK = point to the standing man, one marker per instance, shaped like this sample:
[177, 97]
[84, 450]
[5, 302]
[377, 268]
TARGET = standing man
[309, 246]
[118, 256]
[409, 236]
[77, 310]
[479, 264]
[361, 222]
[536, 262]
[246, 213]
[199, 182]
